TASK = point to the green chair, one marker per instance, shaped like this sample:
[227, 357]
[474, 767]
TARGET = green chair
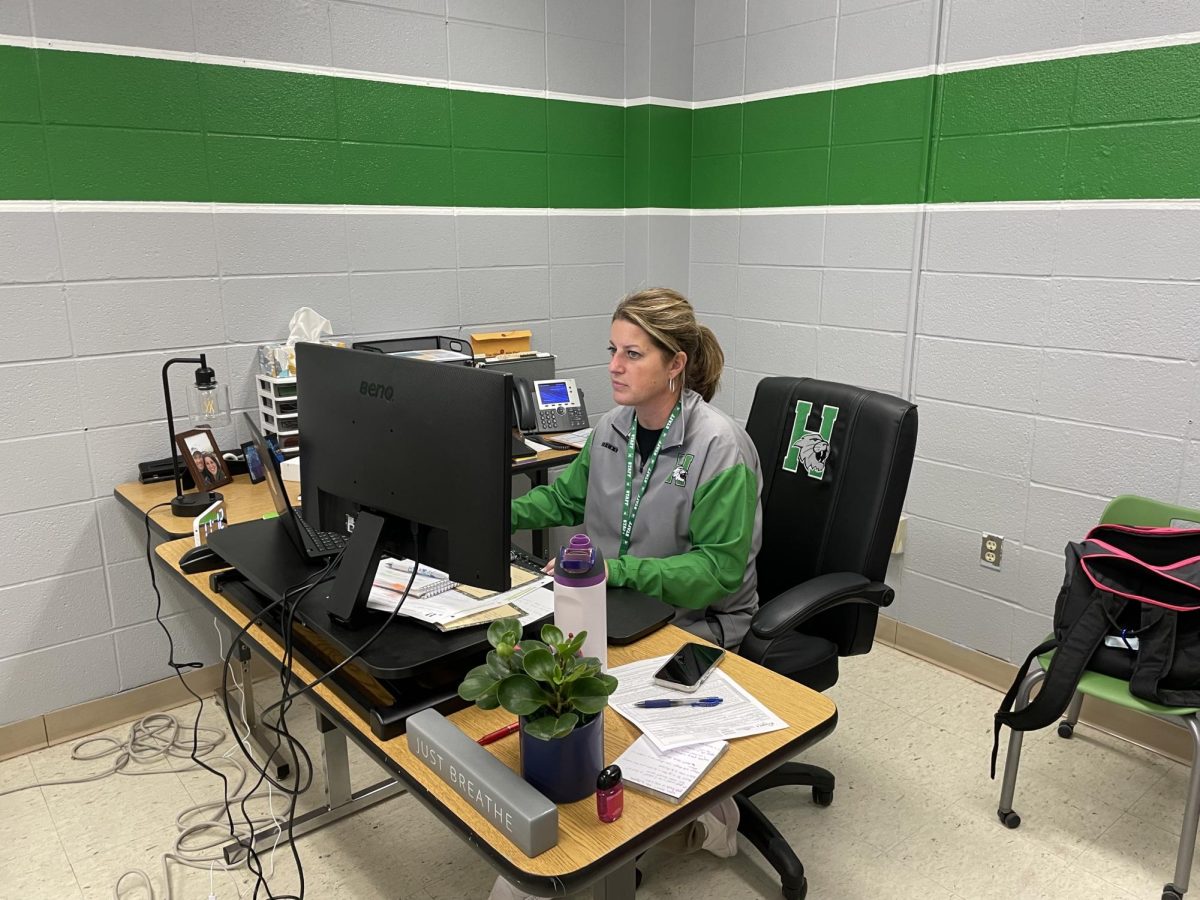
[1124, 510]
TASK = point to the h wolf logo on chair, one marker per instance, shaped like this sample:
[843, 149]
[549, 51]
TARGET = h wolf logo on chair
[810, 448]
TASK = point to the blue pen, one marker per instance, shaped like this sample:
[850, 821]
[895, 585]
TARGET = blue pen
[665, 703]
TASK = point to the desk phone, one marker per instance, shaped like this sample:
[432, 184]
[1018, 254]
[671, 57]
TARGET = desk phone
[548, 406]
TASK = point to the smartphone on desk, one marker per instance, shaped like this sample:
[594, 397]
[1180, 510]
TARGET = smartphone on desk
[688, 667]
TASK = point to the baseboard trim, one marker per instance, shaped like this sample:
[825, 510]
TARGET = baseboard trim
[1146, 731]
[17, 738]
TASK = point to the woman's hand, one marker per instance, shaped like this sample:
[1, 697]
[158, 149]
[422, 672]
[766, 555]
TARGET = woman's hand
[548, 568]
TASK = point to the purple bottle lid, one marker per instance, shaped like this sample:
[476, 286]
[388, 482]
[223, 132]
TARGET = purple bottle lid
[580, 562]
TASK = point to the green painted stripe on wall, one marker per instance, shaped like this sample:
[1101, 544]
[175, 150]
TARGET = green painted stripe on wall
[91, 126]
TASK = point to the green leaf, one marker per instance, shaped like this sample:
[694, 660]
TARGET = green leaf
[552, 634]
[539, 664]
[530, 645]
[565, 724]
[608, 680]
[488, 701]
[504, 631]
[476, 683]
[589, 695]
[521, 695]
[496, 666]
[574, 645]
[542, 729]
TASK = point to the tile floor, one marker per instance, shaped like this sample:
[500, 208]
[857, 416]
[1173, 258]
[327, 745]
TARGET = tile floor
[913, 817]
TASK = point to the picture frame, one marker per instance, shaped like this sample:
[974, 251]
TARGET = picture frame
[203, 459]
[254, 463]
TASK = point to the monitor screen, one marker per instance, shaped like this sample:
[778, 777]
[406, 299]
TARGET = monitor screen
[552, 392]
[413, 444]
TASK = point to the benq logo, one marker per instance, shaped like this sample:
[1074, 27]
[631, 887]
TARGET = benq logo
[376, 391]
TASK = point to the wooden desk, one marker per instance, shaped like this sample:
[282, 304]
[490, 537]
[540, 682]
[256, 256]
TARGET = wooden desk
[588, 852]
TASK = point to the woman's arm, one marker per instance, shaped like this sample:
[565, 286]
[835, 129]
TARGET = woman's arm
[560, 503]
[721, 530]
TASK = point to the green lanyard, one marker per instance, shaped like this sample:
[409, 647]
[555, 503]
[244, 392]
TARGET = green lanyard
[629, 513]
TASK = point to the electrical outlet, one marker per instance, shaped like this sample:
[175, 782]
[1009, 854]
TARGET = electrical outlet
[991, 551]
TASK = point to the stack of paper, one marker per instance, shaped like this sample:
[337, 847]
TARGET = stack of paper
[738, 715]
[668, 775]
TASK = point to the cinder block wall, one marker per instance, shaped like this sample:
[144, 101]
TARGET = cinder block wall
[989, 208]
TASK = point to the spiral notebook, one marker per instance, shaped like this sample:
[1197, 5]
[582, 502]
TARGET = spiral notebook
[393, 574]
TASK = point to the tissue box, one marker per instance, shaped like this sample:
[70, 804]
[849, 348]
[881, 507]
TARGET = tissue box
[289, 469]
[279, 360]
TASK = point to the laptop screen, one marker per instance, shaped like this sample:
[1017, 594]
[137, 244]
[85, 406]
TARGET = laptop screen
[283, 504]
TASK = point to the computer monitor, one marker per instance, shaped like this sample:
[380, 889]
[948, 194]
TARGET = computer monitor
[390, 446]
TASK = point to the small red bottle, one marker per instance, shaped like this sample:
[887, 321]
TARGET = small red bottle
[610, 794]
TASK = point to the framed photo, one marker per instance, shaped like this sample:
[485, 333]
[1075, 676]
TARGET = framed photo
[254, 462]
[203, 459]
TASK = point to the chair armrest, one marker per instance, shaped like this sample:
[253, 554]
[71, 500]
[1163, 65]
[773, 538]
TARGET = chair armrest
[802, 602]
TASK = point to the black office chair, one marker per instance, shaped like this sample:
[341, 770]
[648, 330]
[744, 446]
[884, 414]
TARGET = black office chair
[835, 461]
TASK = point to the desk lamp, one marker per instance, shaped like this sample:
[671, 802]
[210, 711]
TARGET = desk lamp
[208, 406]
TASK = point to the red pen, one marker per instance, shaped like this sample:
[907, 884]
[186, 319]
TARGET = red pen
[504, 732]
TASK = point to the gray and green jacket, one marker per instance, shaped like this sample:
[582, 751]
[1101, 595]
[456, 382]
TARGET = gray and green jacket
[699, 526]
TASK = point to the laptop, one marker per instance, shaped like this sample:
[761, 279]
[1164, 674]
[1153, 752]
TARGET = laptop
[311, 543]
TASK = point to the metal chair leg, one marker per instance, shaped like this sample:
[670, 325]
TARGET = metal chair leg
[1012, 759]
[1191, 813]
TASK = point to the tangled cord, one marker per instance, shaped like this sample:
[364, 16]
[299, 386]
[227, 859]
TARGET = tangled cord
[202, 828]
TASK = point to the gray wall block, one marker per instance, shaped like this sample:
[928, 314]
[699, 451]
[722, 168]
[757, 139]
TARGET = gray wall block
[992, 375]
[637, 252]
[131, 23]
[1029, 630]
[99, 245]
[668, 252]
[586, 239]
[982, 28]
[1057, 516]
[122, 534]
[870, 240]
[1017, 242]
[637, 48]
[14, 18]
[1120, 20]
[370, 39]
[492, 296]
[963, 616]
[715, 239]
[35, 322]
[1150, 318]
[502, 241]
[114, 453]
[869, 359]
[1123, 243]
[865, 298]
[985, 439]
[790, 57]
[603, 21]
[27, 486]
[133, 599]
[281, 243]
[385, 243]
[985, 307]
[724, 328]
[720, 69]
[61, 676]
[25, 536]
[285, 30]
[1039, 577]
[142, 649]
[403, 301]
[769, 15]
[779, 294]
[65, 608]
[1189, 491]
[580, 342]
[772, 348]
[782, 240]
[116, 317]
[39, 398]
[951, 553]
[975, 500]
[579, 66]
[717, 20]
[28, 248]
[140, 397]
[585, 290]
[530, 14]
[1106, 461]
[672, 26]
[259, 309]
[713, 288]
[487, 54]
[887, 39]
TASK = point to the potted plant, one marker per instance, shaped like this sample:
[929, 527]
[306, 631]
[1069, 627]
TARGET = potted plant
[559, 696]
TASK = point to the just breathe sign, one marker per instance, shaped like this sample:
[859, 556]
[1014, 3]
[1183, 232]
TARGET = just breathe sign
[523, 814]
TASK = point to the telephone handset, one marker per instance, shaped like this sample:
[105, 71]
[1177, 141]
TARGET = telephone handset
[548, 406]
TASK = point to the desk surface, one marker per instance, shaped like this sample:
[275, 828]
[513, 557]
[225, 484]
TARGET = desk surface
[245, 501]
[587, 848]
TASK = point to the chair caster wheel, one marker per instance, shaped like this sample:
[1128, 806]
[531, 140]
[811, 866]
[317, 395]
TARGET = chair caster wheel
[1009, 819]
[1065, 730]
[1170, 892]
[822, 798]
[796, 893]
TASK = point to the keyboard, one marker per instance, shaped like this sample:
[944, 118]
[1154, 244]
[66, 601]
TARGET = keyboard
[324, 543]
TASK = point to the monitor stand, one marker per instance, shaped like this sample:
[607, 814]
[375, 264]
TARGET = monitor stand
[356, 571]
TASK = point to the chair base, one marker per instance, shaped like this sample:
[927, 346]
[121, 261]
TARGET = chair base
[765, 837]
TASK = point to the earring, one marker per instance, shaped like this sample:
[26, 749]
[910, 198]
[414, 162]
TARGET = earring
[671, 384]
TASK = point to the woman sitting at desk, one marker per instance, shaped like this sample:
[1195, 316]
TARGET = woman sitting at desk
[668, 488]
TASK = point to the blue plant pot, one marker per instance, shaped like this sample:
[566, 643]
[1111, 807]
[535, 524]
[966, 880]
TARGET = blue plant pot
[565, 769]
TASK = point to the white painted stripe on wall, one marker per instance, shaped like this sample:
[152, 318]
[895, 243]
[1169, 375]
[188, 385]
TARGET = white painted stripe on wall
[68, 206]
[1146, 43]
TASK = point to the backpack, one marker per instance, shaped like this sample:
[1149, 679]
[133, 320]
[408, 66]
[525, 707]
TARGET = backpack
[1136, 591]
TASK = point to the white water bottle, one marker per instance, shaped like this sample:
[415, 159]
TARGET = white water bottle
[581, 595]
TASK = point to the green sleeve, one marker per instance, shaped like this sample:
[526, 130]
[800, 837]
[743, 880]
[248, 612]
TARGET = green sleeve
[721, 530]
[560, 503]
